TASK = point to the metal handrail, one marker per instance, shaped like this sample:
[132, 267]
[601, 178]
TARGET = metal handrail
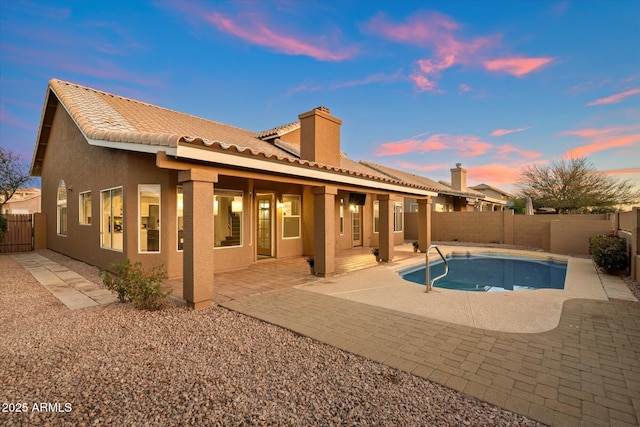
[429, 283]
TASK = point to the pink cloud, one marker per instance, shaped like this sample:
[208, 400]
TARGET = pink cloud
[422, 168]
[604, 144]
[252, 28]
[503, 132]
[604, 139]
[465, 88]
[516, 66]
[627, 171]
[615, 98]
[465, 145]
[495, 173]
[506, 149]
[441, 33]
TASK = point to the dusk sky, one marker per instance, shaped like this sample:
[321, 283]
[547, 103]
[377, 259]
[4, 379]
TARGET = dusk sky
[419, 85]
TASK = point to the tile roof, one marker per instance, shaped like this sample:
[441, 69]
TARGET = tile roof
[278, 131]
[406, 176]
[109, 118]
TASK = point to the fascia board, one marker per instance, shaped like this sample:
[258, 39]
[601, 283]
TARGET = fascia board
[293, 170]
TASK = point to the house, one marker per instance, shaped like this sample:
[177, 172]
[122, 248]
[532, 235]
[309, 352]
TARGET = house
[452, 197]
[497, 199]
[23, 201]
[126, 179]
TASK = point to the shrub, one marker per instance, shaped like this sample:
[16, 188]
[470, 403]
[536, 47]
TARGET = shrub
[4, 227]
[609, 252]
[133, 283]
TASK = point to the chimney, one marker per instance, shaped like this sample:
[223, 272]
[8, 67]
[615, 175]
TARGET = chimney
[459, 178]
[320, 137]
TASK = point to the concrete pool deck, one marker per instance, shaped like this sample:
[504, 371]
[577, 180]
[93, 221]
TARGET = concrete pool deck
[523, 311]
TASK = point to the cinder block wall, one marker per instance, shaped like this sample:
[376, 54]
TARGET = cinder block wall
[565, 234]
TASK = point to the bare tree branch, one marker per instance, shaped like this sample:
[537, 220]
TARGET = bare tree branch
[574, 184]
[13, 174]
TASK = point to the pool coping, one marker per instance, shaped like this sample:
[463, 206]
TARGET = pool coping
[524, 311]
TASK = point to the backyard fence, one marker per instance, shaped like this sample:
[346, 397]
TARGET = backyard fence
[25, 232]
[562, 234]
[627, 225]
[19, 236]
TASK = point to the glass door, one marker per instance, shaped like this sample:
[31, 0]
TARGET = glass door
[356, 225]
[265, 225]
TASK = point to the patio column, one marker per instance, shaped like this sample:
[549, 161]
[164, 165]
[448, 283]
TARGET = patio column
[424, 224]
[386, 227]
[324, 230]
[197, 270]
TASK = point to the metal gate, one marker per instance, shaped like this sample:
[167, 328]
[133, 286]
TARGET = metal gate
[19, 237]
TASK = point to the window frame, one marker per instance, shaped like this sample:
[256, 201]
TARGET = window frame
[298, 216]
[62, 225]
[83, 212]
[238, 193]
[111, 221]
[179, 214]
[159, 193]
[376, 216]
[398, 209]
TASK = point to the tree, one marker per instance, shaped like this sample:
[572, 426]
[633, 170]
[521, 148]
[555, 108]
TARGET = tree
[14, 173]
[574, 184]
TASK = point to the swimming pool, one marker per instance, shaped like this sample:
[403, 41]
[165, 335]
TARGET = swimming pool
[492, 273]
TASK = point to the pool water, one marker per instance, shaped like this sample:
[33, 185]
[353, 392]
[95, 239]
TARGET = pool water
[491, 273]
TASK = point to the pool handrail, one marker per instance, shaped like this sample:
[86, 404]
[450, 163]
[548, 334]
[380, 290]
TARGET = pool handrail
[429, 283]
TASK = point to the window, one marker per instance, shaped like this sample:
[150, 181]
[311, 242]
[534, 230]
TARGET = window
[376, 216]
[397, 216]
[62, 209]
[85, 208]
[111, 226]
[149, 218]
[413, 207]
[180, 219]
[227, 214]
[291, 216]
[341, 217]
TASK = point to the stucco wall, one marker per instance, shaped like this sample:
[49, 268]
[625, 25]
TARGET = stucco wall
[566, 234]
[87, 168]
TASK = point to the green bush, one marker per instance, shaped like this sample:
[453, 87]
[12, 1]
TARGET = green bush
[131, 282]
[609, 252]
[4, 227]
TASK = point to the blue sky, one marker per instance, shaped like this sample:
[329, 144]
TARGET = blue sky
[494, 85]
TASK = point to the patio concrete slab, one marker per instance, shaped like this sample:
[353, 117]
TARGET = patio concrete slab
[70, 288]
[526, 311]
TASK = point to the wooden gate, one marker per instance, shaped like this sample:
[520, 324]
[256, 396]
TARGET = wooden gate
[19, 237]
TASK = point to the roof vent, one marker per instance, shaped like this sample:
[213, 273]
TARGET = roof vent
[323, 109]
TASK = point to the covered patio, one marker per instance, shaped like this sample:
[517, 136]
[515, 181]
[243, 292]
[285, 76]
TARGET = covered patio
[274, 274]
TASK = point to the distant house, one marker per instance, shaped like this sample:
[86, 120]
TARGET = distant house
[452, 197]
[125, 179]
[23, 201]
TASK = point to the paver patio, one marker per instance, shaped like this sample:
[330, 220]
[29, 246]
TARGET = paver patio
[585, 372]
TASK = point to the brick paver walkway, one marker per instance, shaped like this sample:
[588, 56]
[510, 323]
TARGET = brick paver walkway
[584, 372]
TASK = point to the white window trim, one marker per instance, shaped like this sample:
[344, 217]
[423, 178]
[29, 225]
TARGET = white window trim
[81, 208]
[395, 205]
[102, 222]
[299, 216]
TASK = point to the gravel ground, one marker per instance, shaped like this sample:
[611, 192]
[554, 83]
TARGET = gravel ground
[114, 365]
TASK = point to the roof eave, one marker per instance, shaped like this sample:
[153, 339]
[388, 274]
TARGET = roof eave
[294, 168]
